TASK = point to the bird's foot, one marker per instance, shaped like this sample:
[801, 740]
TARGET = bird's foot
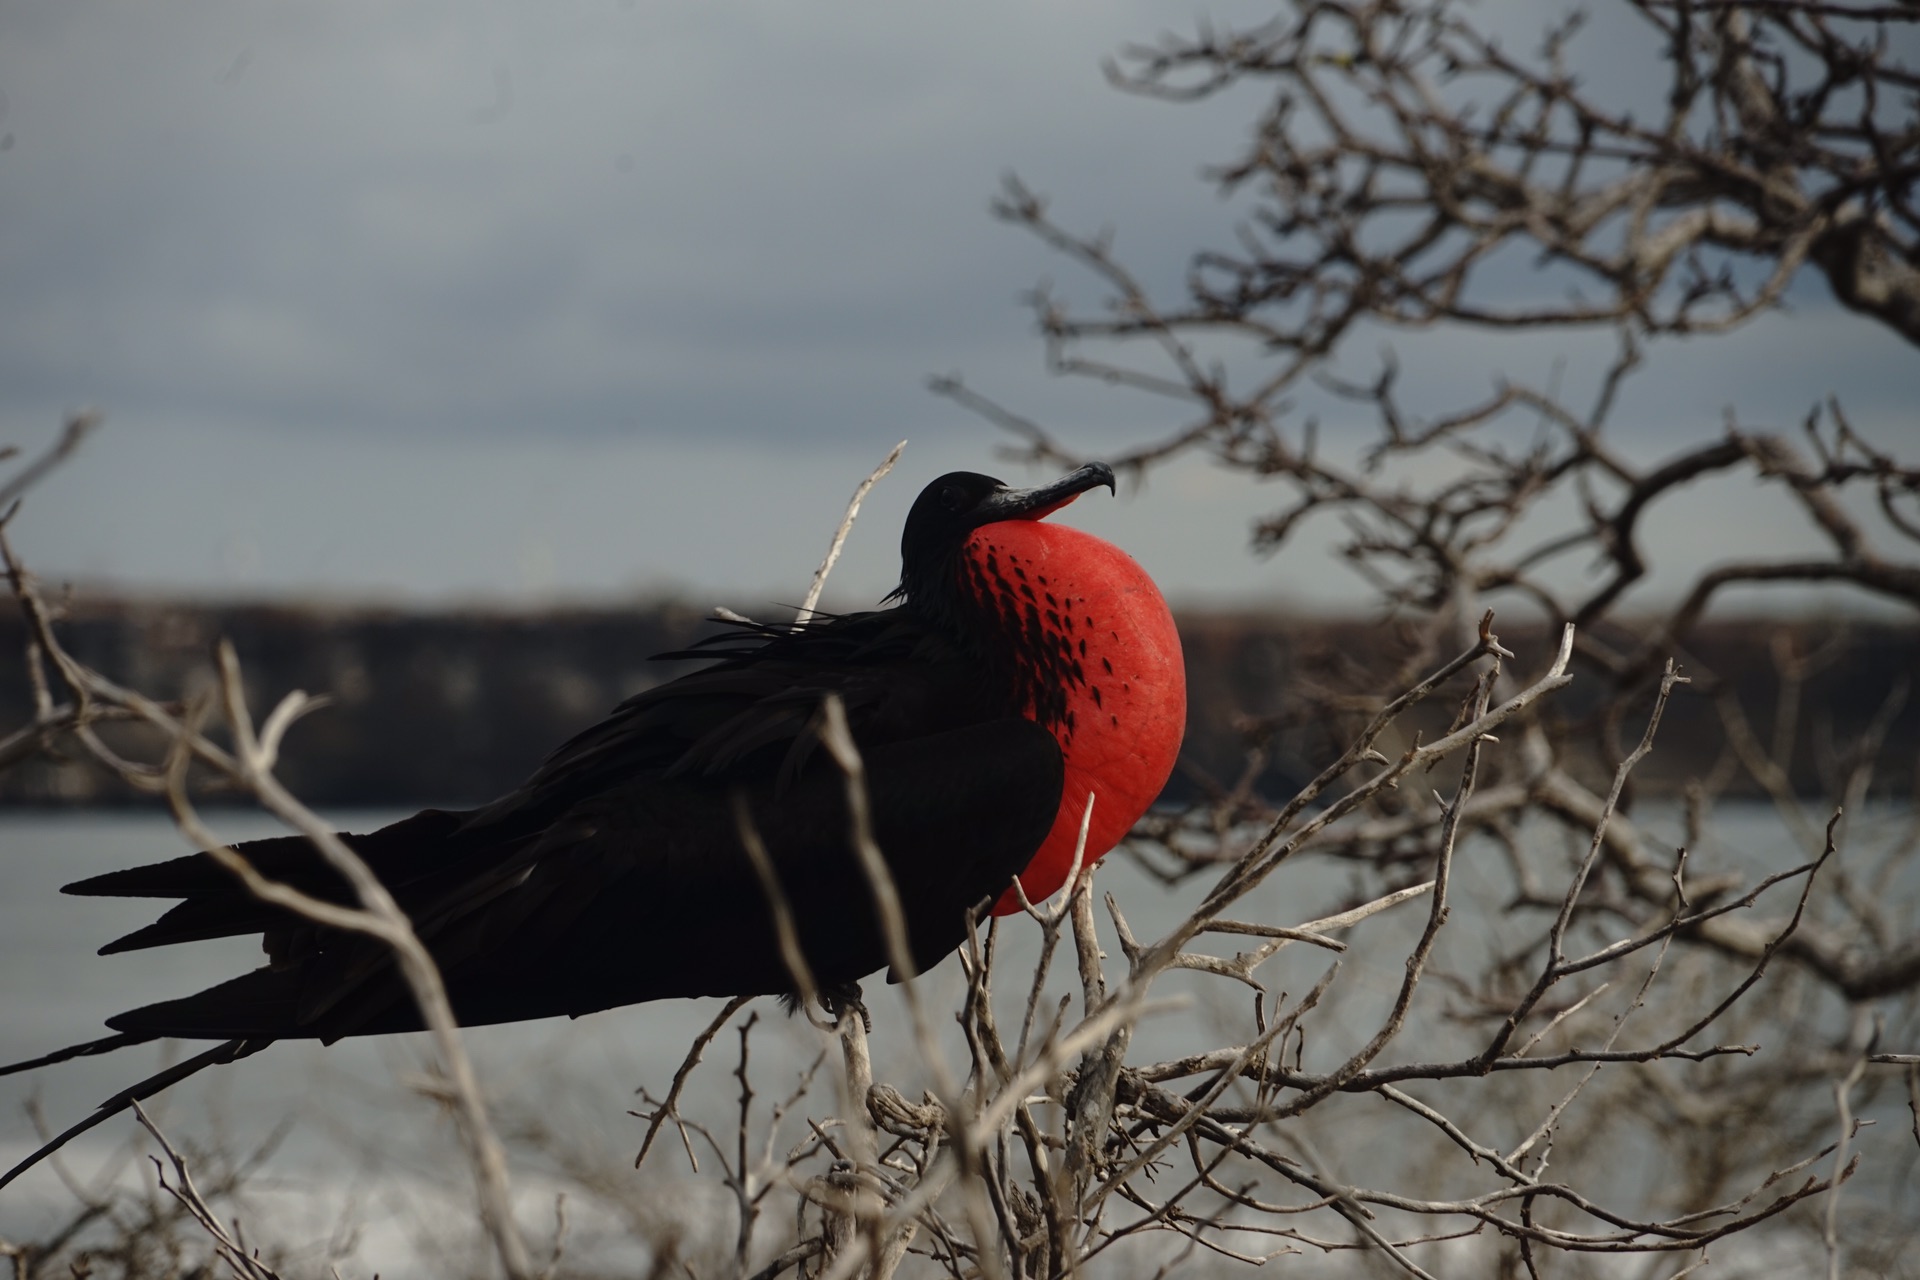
[843, 998]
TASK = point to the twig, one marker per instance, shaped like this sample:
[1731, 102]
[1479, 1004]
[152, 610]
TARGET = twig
[845, 527]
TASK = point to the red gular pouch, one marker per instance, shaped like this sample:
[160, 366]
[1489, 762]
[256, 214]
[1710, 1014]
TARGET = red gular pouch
[1099, 663]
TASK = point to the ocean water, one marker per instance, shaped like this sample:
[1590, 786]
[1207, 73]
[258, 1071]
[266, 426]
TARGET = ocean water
[367, 1173]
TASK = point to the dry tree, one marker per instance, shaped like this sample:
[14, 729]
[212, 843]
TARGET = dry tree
[1557, 1015]
[1403, 161]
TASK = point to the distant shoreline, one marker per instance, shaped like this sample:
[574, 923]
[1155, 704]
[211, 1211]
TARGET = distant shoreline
[455, 706]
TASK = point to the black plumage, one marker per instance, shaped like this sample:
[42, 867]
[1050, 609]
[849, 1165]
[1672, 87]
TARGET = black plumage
[617, 872]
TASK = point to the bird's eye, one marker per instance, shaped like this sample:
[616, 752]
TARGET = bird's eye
[953, 498]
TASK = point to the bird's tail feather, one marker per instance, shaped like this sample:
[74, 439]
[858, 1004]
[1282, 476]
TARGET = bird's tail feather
[231, 1051]
[107, 1044]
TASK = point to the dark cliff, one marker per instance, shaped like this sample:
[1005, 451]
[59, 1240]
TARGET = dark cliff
[456, 707]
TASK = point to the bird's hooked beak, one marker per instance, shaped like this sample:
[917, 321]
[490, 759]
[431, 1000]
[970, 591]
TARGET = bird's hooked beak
[1042, 501]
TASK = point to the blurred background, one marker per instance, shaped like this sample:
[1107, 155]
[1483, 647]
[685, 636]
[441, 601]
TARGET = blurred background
[454, 359]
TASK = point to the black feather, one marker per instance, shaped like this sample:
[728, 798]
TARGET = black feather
[615, 874]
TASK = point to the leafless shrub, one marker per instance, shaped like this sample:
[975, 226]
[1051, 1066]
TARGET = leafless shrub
[1549, 1042]
[1403, 160]
[117, 1231]
[1044, 1149]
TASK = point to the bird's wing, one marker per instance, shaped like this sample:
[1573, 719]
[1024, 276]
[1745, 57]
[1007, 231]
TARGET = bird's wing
[756, 710]
[752, 713]
[406, 856]
[645, 890]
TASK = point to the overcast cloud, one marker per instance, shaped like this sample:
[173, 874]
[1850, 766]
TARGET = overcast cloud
[435, 301]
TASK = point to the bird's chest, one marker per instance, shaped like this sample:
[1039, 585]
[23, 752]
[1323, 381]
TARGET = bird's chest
[1095, 658]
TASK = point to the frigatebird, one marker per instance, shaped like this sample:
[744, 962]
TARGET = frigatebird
[1024, 671]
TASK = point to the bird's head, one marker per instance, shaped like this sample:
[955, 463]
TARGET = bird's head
[949, 510]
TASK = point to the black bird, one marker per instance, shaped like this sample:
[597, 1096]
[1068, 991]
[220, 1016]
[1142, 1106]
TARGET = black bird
[1025, 666]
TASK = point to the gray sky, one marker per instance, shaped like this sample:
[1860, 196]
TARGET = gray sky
[434, 302]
